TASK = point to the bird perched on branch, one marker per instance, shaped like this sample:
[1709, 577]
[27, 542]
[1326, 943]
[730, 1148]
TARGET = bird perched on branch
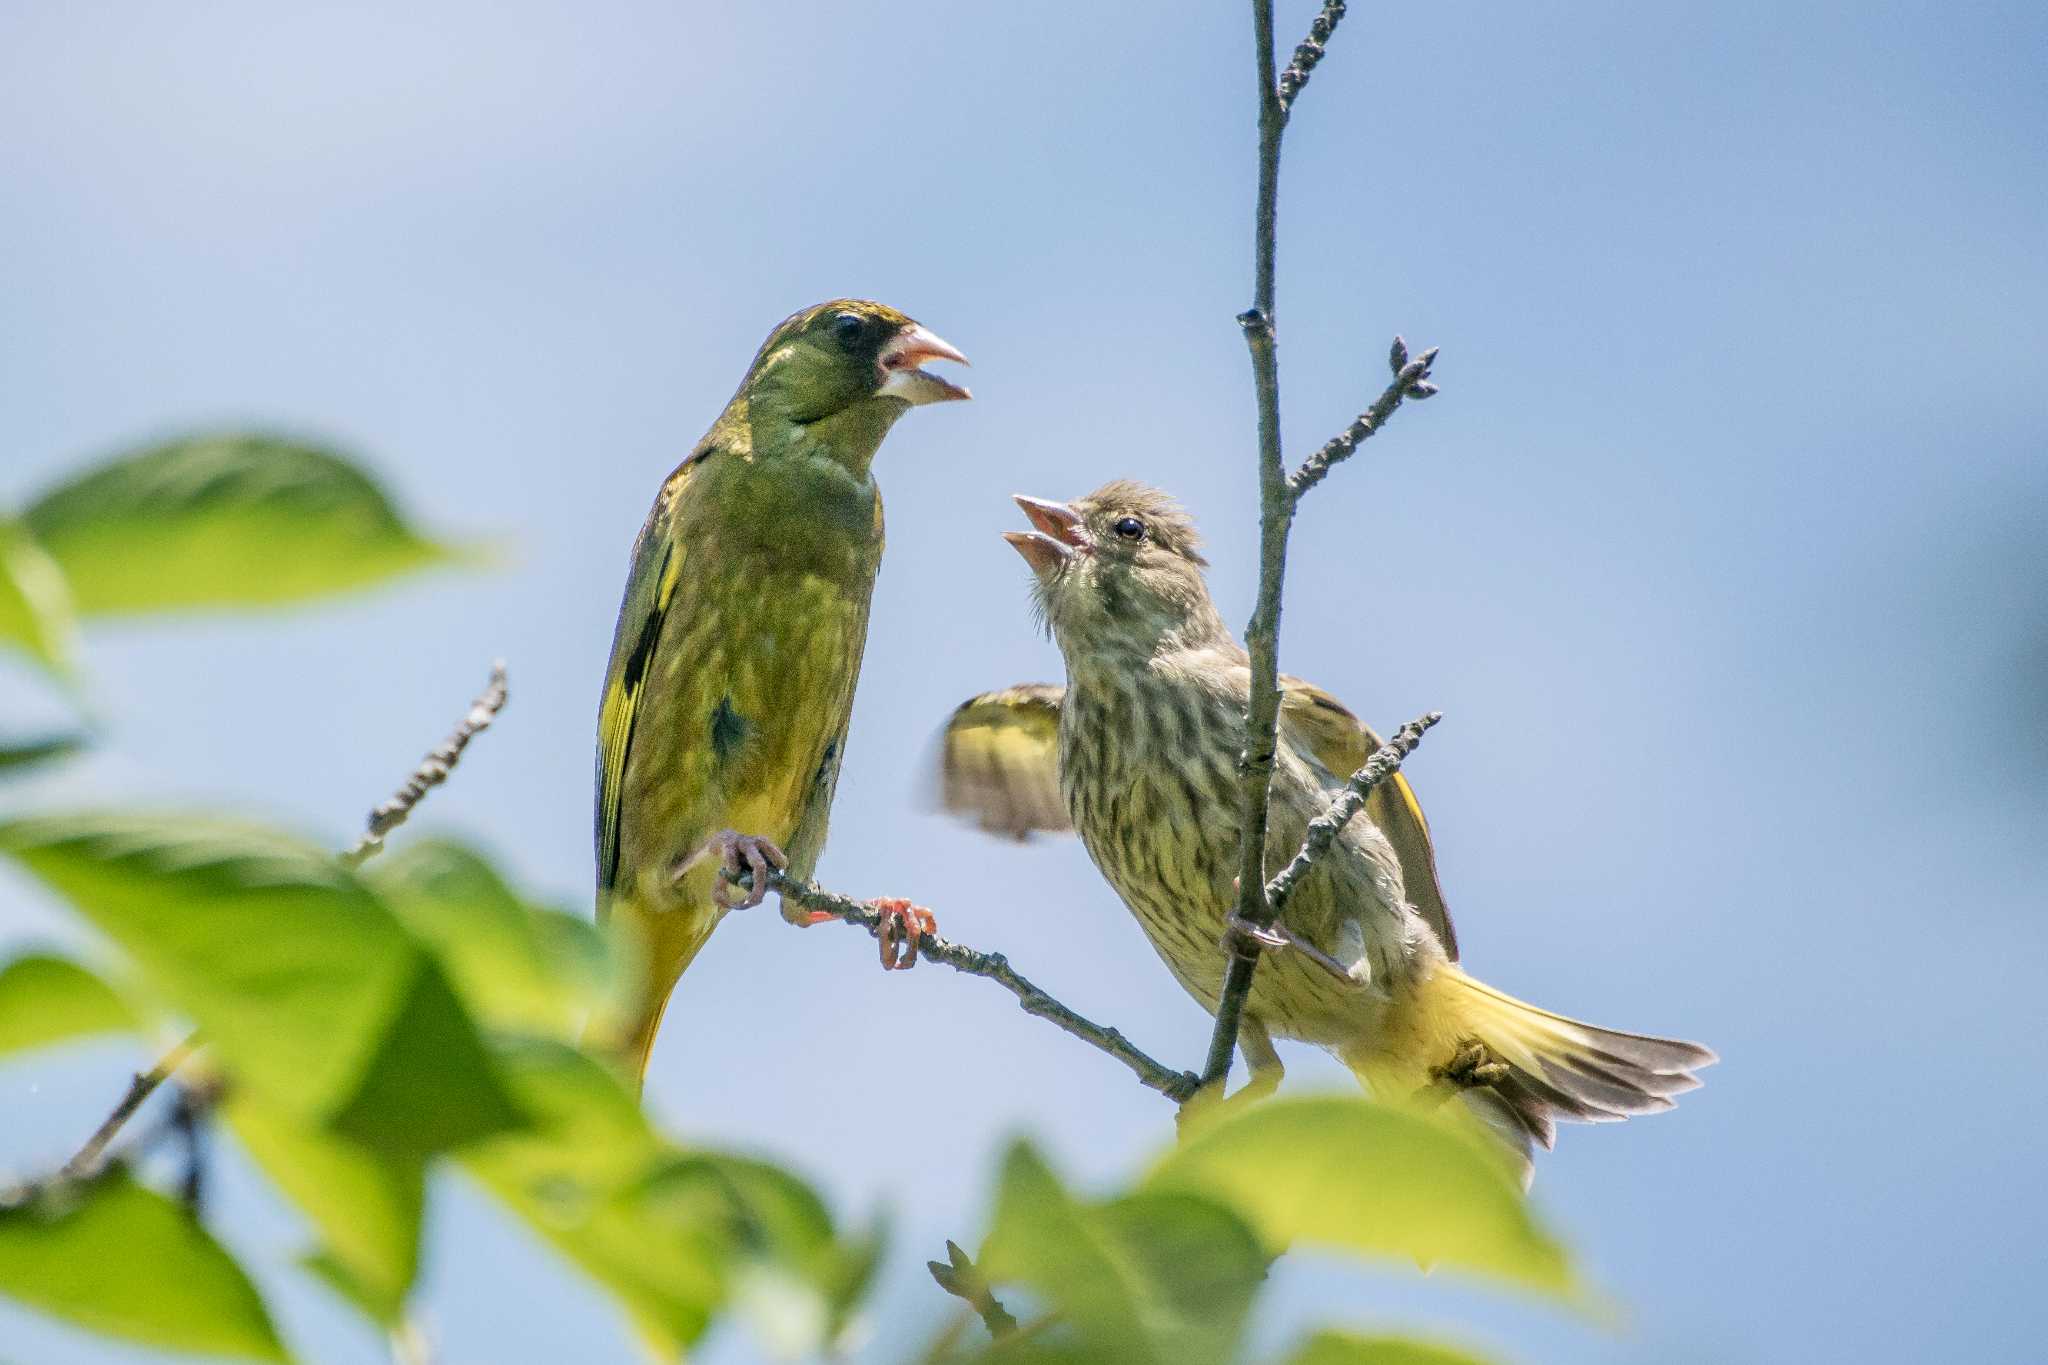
[739, 642]
[1139, 754]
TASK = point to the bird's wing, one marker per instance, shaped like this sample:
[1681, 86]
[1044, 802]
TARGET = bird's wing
[999, 761]
[650, 586]
[1342, 743]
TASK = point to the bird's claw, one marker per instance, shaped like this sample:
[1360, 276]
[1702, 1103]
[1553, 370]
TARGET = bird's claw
[1472, 1066]
[1239, 934]
[1242, 938]
[901, 929]
[739, 855]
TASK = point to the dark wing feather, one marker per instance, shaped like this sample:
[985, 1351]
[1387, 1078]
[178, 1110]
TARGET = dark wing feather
[650, 585]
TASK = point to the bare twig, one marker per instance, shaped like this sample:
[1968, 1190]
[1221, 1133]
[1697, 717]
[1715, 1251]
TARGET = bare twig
[1411, 380]
[1322, 831]
[432, 771]
[87, 1159]
[184, 1122]
[188, 1121]
[1175, 1085]
[1309, 52]
[1279, 494]
[1276, 510]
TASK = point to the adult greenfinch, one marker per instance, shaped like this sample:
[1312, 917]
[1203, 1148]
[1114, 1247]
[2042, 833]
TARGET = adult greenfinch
[739, 643]
[1138, 753]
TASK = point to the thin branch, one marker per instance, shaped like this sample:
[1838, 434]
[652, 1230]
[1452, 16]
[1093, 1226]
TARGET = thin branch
[86, 1161]
[183, 1122]
[188, 1121]
[1262, 636]
[432, 771]
[1411, 380]
[1178, 1086]
[1322, 831]
[1309, 52]
[1256, 911]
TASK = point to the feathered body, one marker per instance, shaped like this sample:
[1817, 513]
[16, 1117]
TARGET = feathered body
[1148, 732]
[740, 637]
[1148, 762]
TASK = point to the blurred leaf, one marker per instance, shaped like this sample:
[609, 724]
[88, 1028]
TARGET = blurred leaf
[1350, 1175]
[519, 967]
[675, 1236]
[125, 1261]
[1343, 1348]
[366, 1205]
[1154, 1276]
[35, 604]
[313, 996]
[29, 752]
[579, 1177]
[223, 521]
[46, 999]
[794, 1280]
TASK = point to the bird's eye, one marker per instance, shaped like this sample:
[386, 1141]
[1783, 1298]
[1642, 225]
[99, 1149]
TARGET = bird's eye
[848, 326]
[1130, 528]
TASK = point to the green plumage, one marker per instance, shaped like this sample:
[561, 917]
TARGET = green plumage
[739, 640]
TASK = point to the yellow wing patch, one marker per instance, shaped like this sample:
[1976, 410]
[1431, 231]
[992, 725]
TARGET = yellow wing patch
[657, 567]
[999, 761]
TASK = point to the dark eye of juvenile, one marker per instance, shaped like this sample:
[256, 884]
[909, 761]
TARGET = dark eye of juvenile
[1130, 528]
[848, 326]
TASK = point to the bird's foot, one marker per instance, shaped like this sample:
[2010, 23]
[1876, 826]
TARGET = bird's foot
[1473, 1065]
[902, 928]
[738, 854]
[1242, 938]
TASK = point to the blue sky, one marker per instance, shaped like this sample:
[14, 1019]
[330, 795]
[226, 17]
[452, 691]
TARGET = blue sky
[1721, 551]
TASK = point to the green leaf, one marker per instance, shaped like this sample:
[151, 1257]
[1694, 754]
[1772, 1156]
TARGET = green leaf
[367, 1205]
[47, 999]
[35, 604]
[580, 1178]
[675, 1236]
[795, 1282]
[223, 521]
[30, 752]
[1154, 1276]
[520, 968]
[1350, 1175]
[121, 1259]
[313, 996]
[1344, 1348]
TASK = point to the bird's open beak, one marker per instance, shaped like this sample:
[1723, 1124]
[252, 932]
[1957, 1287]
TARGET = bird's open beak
[1057, 539]
[901, 377]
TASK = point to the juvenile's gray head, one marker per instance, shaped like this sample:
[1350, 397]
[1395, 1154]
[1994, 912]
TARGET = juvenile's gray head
[1119, 571]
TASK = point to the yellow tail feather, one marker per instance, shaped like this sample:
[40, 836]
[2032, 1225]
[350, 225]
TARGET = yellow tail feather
[1556, 1068]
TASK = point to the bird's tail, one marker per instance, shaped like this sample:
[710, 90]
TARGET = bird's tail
[634, 1046]
[1533, 1068]
[660, 946]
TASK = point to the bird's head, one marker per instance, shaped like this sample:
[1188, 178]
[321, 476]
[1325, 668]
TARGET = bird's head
[1117, 571]
[849, 358]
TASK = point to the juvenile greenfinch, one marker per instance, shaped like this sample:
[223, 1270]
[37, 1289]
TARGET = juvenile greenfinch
[1138, 753]
[739, 642]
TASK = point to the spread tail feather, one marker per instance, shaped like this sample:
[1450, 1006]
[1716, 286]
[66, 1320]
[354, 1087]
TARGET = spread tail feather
[1557, 1069]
